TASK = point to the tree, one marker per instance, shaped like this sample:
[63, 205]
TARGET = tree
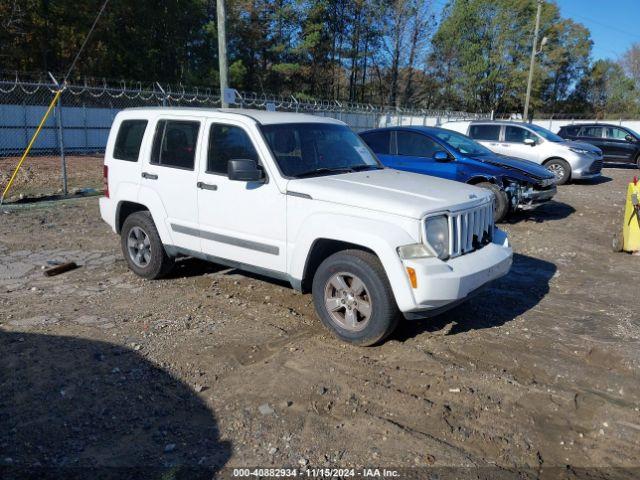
[480, 54]
[421, 21]
[631, 63]
[565, 61]
[607, 90]
[396, 19]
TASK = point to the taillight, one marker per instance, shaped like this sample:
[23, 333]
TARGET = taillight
[105, 180]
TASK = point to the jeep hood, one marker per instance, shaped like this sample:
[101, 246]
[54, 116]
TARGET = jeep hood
[390, 191]
[524, 167]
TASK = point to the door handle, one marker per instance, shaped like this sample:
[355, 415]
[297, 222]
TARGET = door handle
[206, 186]
[149, 176]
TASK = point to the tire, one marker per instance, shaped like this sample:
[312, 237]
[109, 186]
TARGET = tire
[352, 265]
[501, 209]
[638, 161]
[560, 168]
[152, 261]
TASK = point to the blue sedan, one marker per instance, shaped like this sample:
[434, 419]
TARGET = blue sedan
[516, 184]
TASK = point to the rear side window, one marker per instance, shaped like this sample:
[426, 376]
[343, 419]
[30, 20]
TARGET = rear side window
[227, 142]
[595, 132]
[484, 132]
[517, 134]
[569, 130]
[129, 140]
[416, 145]
[378, 141]
[175, 144]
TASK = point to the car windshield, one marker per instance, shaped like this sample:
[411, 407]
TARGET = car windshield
[633, 133]
[311, 149]
[546, 134]
[462, 143]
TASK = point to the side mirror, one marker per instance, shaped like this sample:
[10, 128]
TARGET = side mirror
[244, 170]
[630, 139]
[529, 141]
[441, 156]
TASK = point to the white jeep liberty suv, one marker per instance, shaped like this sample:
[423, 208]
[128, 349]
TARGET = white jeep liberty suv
[300, 198]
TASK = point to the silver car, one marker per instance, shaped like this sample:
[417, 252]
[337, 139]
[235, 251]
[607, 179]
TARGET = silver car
[568, 160]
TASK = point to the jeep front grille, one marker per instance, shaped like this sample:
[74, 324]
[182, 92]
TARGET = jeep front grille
[470, 229]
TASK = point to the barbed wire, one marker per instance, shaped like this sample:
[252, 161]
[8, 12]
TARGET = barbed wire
[170, 94]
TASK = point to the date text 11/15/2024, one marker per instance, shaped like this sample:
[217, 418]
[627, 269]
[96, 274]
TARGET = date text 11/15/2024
[316, 472]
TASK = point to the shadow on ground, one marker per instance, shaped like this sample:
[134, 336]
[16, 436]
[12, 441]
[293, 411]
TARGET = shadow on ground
[193, 267]
[620, 166]
[593, 181]
[548, 211]
[520, 290]
[85, 409]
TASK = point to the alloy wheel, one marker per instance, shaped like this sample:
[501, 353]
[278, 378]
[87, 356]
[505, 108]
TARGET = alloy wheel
[348, 301]
[139, 247]
[557, 170]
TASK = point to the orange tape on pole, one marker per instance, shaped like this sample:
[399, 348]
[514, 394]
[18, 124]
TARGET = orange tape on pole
[33, 139]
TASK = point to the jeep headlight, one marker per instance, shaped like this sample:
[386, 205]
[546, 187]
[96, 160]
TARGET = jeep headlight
[437, 235]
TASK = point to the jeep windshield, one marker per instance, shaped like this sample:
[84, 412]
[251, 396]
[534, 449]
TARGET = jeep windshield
[314, 149]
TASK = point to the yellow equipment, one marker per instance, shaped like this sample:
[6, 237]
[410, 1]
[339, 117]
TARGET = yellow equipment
[631, 224]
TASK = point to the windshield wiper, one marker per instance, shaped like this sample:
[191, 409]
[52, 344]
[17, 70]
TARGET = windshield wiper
[322, 171]
[359, 168]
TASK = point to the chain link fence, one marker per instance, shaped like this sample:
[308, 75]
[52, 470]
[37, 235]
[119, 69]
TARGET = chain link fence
[67, 155]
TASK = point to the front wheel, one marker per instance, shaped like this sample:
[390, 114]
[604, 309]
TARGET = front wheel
[353, 297]
[560, 168]
[501, 208]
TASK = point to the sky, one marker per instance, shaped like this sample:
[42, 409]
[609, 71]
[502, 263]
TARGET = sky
[613, 23]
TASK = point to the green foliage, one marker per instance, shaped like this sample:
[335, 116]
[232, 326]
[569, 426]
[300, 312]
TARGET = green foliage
[606, 90]
[481, 54]
[378, 51]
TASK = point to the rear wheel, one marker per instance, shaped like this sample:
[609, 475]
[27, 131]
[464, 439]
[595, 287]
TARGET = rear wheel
[501, 208]
[353, 297]
[142, 247]
[560, 168]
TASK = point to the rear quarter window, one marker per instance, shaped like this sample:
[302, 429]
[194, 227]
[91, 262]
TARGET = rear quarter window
[569, 130]
[175, 144]
[484, 132]
[378, 141]
[129, 140]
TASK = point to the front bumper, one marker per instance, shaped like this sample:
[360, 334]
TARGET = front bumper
[586, 167]
[531, 197]
[442, 285]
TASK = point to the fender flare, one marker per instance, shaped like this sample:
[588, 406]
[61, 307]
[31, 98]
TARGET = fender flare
[150, 199]
[381, 237]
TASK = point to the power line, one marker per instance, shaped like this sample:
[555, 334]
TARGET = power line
[86, 39]
[610, 27]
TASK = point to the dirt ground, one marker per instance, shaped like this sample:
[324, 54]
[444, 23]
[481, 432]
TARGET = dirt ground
[215, 368]
[42, 175]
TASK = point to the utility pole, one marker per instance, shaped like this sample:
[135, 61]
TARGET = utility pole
[222, 50]
[533, 61]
